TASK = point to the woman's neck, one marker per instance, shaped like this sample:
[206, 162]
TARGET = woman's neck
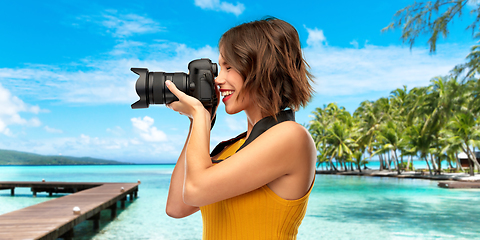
[253, 116]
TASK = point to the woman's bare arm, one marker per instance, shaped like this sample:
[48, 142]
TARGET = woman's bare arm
[176, 208]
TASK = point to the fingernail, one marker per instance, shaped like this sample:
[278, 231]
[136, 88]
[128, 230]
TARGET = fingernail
[168, 83]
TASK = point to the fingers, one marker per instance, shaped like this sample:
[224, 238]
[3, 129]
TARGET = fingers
[185, 105]
[171, 86]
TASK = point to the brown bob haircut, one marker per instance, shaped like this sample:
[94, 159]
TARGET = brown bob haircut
[268, 55]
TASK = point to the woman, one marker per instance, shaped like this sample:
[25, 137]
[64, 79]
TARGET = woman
[261, 190]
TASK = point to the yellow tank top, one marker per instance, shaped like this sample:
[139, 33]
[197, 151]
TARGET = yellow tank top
[259, 214]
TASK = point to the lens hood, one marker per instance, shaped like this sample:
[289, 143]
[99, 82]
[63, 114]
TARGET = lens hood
[141, 87]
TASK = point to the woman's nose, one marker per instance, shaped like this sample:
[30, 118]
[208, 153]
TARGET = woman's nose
[220, 79]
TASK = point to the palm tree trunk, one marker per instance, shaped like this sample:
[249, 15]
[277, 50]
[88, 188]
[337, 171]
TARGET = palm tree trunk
[439, 165]
[381, 162]
[331, 164]
[396, 160]
[388, 164]
[459, 165]
[428, 165]
[471, 155]
[472, 169]
[433, 164]
[475, 160]
[408, 162]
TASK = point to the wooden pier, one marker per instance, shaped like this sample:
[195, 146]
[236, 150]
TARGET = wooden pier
[55, 218]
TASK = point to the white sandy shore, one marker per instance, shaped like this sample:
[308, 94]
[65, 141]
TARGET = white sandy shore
[385, 173]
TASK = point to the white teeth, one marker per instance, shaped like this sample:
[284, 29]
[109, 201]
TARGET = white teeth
[226, 93]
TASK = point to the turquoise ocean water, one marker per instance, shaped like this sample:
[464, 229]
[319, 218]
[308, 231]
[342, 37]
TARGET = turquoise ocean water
[375, 165]
[340, 207]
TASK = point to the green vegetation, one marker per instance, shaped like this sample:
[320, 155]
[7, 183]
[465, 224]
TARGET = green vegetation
[433, 123]
[433, 18]
[8, 157]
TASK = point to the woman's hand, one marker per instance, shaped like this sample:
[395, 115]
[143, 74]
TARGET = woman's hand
[186, 105]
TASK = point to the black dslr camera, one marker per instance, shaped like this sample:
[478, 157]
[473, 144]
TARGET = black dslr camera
[199, 83]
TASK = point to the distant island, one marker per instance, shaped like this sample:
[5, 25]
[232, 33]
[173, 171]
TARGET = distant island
[10, 157]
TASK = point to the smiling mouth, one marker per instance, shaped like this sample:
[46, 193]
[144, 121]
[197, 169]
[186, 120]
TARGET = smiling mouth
[226, 93]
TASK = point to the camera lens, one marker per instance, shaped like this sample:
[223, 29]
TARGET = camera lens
[151, 87]
[181, 82]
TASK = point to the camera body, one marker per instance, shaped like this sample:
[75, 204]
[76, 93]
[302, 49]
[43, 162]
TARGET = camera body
[199, 83]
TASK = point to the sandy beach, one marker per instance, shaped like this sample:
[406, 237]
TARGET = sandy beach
[465, 177]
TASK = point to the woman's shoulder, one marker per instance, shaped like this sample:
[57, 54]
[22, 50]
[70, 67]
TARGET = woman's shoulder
[293, 148]
[291, 129]
[290, 136]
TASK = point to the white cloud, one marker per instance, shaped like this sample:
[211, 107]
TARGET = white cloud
[352, 71]
[100, 81]
[472, 3]
[117, 131]
[315, 37]
[217, 5]
[10, 109]
[52, 130]
[122, 25]
[146, 130]
[126, 46]
[354, 43]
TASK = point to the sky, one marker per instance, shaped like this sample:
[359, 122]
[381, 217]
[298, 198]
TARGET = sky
[66, 85]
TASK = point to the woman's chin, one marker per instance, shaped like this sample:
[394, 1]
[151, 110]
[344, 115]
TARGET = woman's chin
[231, 111]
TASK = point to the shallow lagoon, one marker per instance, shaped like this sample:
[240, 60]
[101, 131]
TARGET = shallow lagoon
[340, 207]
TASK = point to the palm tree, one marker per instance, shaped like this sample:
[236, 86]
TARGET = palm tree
[369, 117]
[463, 130]
[390, 137]
[317, 129]
[419, 142]
[338, 137]
[401, 101]
[446, 98]
[411, 123]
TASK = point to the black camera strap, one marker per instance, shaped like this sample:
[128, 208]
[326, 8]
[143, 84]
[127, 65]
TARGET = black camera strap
[260, 127]
[266, 123]
[213, 116]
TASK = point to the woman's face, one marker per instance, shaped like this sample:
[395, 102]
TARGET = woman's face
[230, 83]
